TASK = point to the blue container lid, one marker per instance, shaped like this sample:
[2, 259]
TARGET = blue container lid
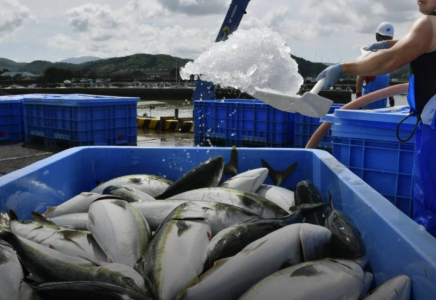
[377, 118]
[77, 99]
[11, 99]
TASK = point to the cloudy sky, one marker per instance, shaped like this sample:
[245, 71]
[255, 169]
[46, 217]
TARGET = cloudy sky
[53, 30]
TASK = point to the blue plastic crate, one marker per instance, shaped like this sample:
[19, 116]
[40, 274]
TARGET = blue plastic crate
[395, 244]
[365, 141]
[81, 119]
[241, 122]
[11, 127]
[306, 126]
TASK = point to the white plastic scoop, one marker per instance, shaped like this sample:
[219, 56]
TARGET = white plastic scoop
[310, 104]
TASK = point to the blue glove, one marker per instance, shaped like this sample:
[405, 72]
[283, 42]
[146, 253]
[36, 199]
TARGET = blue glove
[331, 75]
[376, 46]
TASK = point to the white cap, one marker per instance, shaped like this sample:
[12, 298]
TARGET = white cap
[385, 29]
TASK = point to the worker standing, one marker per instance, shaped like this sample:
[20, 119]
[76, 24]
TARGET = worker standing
[384, 32]
[417, 48]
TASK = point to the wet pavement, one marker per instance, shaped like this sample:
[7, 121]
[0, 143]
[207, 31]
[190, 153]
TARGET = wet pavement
[17, 155]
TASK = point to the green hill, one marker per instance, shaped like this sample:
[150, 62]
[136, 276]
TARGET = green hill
[142, 61]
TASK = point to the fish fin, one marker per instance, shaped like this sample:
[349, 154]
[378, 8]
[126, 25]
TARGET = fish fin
[193, 282]
[13, 216]
[216, 265]
[107, 197]
[49, 210]
[278, 177]
[41, 218]
[231, 168]
[93, 262]
[289, 170]
[98, 182]
[273, 174]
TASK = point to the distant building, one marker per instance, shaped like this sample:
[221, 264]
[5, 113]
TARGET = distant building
[140, 73]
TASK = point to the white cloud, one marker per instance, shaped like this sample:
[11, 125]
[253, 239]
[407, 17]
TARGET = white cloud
[196, 7]
[13, 15]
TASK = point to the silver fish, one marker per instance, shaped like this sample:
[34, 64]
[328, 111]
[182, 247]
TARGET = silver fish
[149, 184]
[290, 245]
[326, 279]
[246, 200]
[278, 195]
[248, 181]
[120, 229]
[219, 215]
[207, 174]
[175, 256]
[78, 221]
[397, 288]
[128, 193]
[11, 273]
[51, 265]
[70, 242]
[77, 204]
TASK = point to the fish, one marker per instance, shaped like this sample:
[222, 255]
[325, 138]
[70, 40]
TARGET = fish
[323, 279]
[175, 256]
[397, 288]
[307, 193]
[120, 229]
[347, 243]
[78, 204]
[230, 278]
[248, 181]
[11, 273]
[278, 177]
[70, 242]
[78, 221]
[73, 290]
[149, 184]
[51, 265]
[246, 200]
[127, 193]
[228, 242]
[231, 168]
[27, 292]
[207, 174]
[278, 195]
[219, 215]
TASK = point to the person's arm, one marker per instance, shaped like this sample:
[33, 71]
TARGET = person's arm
[359, 83]
[405, 50]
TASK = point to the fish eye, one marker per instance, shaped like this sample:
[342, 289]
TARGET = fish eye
[129, 281]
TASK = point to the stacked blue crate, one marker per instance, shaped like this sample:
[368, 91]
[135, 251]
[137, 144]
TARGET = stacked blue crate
[365, 141]
[305, 127]
[11, 127]
[241, 122]
[81, 119]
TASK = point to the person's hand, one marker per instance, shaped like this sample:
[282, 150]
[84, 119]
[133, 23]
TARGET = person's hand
[358, 94]
[331, 75]
[376, 46]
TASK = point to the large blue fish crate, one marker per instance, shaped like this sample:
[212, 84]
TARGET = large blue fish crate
[395, 244]
[306, 126]
[11, 127]
[366, 142]
[241, 122]
[80, 120]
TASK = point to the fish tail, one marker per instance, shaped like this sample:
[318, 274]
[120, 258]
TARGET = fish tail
[231, 168]
[49, 210]
[41, 218]
[278, 177]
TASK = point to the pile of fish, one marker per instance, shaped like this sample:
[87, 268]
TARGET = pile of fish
[203, 236]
